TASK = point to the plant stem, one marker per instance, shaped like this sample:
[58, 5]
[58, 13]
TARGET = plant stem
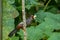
[46, 5]
[0, 19]
[24, 19]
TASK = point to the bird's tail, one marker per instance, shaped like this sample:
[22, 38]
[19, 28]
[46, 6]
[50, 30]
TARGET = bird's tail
[12, 32]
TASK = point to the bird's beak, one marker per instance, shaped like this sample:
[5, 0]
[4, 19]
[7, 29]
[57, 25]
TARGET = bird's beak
[34, 16]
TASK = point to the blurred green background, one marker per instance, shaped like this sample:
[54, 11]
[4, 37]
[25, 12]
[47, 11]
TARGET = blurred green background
[46, 25]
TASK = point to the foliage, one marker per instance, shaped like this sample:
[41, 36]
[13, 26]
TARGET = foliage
[55, 36]
[49, 20]
[9, 13]
[45, 28]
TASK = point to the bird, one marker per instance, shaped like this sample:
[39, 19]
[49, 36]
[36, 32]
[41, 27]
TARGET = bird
[20, 25]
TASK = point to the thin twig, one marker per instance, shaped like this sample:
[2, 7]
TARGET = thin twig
[24, 19]
[46, 5]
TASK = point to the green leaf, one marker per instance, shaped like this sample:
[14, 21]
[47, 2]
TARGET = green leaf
[32, 33]
[40, 15]
[52, 9]
[9, 10]
[31, 3]
[51, 21]
[9, 13]
[10, 1]
[54, 36]
[57, 1]
[28, 6]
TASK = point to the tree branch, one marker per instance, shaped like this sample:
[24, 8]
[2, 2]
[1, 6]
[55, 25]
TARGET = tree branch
[24, 19]
[46, 5]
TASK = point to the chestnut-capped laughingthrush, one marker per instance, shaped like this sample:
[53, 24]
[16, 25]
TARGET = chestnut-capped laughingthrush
[20, 25]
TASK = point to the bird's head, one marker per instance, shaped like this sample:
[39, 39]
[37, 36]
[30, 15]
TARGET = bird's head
[33, 16]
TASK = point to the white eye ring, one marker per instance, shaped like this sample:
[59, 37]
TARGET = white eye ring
[34, 16]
